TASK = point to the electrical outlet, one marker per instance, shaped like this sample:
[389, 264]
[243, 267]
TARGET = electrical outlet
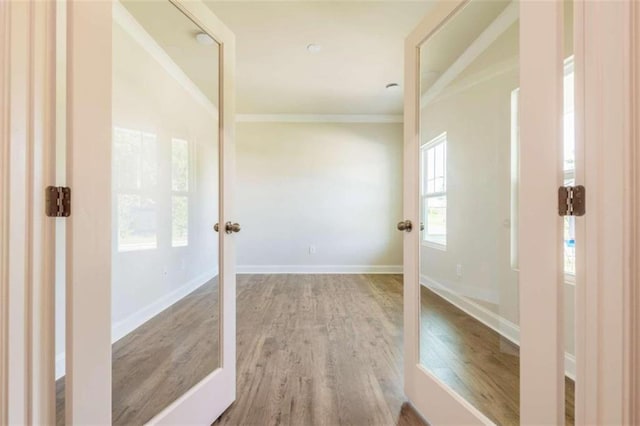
[459, 270]
[312, 249]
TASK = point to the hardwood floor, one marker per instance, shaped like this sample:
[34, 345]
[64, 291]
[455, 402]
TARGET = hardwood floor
[313, 350]
[319, 350]
[475, 361]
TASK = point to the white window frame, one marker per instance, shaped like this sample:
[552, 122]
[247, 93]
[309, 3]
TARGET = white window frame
[441, 139]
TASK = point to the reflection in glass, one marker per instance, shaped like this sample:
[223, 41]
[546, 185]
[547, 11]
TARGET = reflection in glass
[165, 294]
[468, 255]
[569, 162]
[180, 161]
[179, 165]
[179, 221]
[434, 196]
[135, 167]
[136, 222]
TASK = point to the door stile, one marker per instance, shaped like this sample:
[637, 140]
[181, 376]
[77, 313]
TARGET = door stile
[42, 310]
[88, 252]
[541, 335]
[227, 203]
[410, 212]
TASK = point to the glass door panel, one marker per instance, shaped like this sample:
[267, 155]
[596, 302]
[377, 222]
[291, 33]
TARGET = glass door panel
[469, 80]
[468, 126]
[569, 162]
[165, 253]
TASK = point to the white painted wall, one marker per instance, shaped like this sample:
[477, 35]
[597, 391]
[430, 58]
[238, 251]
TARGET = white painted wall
[150, 96]
[475, 111]
[334, 186]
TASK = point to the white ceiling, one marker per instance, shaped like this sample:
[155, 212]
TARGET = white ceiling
[362, 51]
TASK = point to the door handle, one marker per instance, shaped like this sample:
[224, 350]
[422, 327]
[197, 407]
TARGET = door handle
[229, 227]
[405, 225]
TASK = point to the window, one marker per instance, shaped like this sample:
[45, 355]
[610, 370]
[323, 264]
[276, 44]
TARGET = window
[179, 193]
[135, 182]
[434, 191]
[569, 146]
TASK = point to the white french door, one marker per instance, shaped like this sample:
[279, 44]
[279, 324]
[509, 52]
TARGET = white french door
[150, 285]
[490, 273]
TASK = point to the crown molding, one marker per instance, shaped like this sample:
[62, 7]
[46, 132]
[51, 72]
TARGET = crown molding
[318, 118]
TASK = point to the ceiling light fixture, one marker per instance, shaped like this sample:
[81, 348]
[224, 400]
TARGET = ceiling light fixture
[392, 87]
[204, 39]
[314, 48]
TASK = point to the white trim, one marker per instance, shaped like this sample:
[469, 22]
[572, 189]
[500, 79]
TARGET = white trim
[5, 140]
[499, 25]
[497, 323]
[318, 118]
[634, 373]
[26, 277]
[135, 320]
[604, 279]
[130, 25]
[319, 269]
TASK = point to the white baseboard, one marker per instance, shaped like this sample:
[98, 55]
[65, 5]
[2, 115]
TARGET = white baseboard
[135, 320]
[319, 269]
[500, 325]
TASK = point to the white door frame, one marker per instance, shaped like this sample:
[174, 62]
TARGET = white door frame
[27, 118]
[605, 304]
[604, 348]
[634, 231]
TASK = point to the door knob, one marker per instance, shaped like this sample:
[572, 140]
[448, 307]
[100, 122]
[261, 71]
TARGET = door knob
[421, 226]
[229, 227]
[405, 225]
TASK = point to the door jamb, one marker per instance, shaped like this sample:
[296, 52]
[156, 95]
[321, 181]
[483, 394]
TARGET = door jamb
[605, 333]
